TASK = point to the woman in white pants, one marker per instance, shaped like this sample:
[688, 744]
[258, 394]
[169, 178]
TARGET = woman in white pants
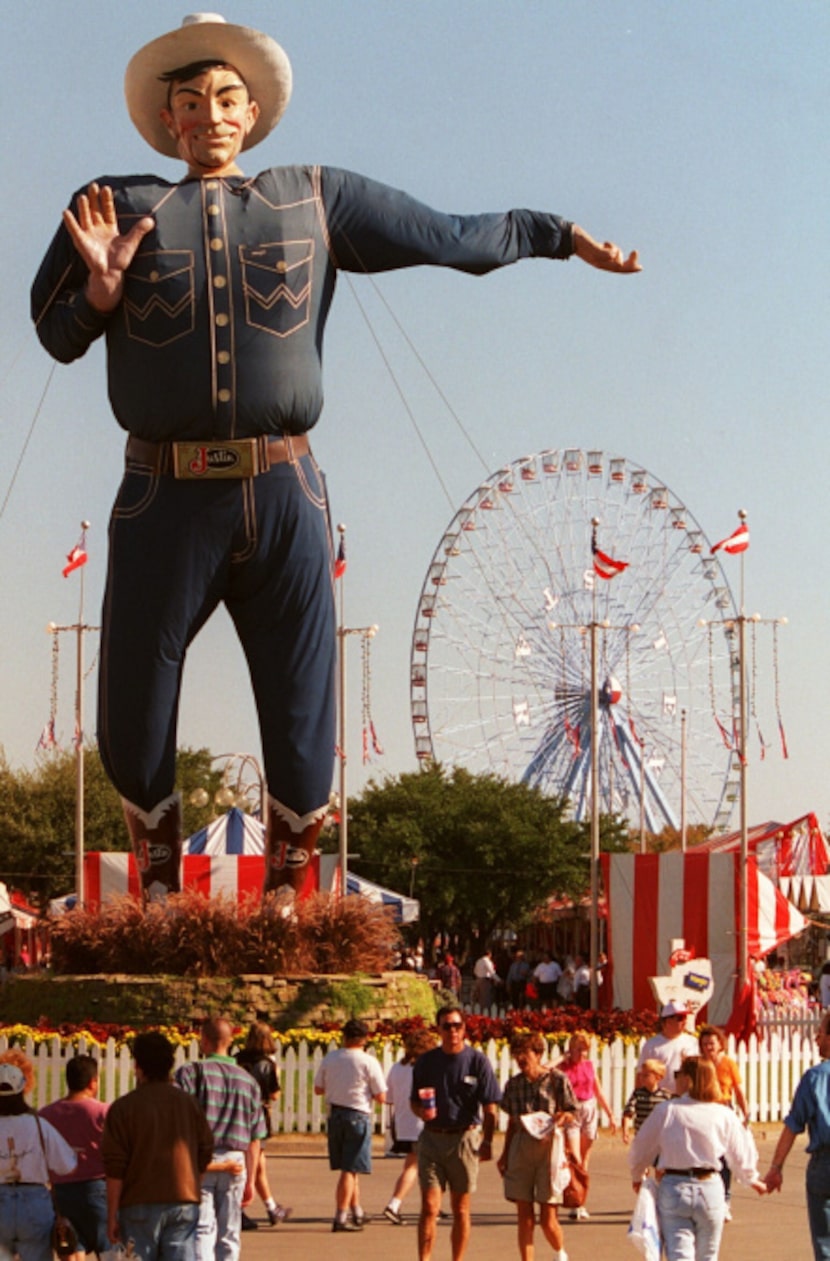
[688, 1136]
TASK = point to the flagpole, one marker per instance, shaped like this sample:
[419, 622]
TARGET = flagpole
[683, 822]
[742, 702]
[594, 933]
[77, 559]
[79, 745]
[737, 543]
[343, 632]
[594, 942]
[343, 830]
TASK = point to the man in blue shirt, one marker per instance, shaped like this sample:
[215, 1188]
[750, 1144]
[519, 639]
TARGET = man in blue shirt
[461, 1102]
[811, 1111]
[213, 294]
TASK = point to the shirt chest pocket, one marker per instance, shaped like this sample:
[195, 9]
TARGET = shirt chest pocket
[276, 279]
[158, 297]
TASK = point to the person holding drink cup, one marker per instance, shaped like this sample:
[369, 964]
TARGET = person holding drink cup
[456, 1095]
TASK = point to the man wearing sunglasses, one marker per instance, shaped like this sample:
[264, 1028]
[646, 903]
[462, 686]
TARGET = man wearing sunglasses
[452, 1087]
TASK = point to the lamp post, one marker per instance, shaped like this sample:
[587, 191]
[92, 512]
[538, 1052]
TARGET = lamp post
[243, 785]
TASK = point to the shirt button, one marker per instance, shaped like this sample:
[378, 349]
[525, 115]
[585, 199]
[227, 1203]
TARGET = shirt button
[217, 243]
[213, 210]
[224, 396]
[211, 185]
[154, 275]
[222, 319]
[219, 282]
[224, 356]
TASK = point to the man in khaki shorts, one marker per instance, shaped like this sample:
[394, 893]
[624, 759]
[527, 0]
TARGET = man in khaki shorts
[450, 1148]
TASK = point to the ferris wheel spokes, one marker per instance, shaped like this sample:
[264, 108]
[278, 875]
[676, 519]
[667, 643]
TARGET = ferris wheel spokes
[497, 685]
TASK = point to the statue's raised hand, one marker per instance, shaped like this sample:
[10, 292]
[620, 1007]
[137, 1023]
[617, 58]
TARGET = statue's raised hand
[106, 252]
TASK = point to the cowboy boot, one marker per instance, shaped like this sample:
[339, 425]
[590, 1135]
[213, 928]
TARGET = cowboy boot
[156, 837]
[290, 842]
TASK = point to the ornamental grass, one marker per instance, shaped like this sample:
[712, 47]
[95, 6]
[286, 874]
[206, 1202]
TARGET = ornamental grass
[191, 935]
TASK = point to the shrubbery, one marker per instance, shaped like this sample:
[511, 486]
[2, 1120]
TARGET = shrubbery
[191, 935]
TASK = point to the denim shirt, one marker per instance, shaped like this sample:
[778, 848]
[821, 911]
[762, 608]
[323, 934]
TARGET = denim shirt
[220, 331]
[811, 1107]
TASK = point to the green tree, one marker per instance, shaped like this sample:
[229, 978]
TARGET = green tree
[669, 838]
[478, 852]
[37, 816]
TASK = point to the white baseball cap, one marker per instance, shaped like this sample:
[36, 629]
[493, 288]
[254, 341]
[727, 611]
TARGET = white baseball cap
[673, 1009]
[12, 1081]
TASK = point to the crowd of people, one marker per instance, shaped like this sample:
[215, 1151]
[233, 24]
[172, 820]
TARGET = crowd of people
[517, 978]
[164, 1170]
[170, 1166]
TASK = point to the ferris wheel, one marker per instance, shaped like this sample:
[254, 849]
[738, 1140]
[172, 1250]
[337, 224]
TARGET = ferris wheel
[500, 663]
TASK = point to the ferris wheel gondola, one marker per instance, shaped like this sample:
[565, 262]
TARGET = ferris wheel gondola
[500, 670]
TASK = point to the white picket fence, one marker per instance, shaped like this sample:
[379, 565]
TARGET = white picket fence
[770, 1067]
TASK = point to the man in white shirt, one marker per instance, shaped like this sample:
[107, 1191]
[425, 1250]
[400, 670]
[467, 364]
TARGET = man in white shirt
[672, 1044]
[486, 980]
[547, 974]
[352, 1082]
[582, 982]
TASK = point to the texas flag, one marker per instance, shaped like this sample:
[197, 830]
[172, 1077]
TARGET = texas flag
[737, 541]
[605, 566]
[77, 557]
[340, 560]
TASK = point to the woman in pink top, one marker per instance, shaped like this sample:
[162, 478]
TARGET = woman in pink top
[580, 1072]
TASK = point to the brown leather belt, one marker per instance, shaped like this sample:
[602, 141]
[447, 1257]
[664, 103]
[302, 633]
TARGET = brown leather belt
[217, 458]
[690, 1173]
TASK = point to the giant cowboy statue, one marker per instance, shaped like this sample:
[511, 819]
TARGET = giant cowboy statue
[213, 294]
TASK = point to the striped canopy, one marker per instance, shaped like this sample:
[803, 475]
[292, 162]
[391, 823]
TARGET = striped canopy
[653, 898]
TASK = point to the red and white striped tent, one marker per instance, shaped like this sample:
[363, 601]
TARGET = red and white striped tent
[653, 898]
[782, 849]
[235, 875]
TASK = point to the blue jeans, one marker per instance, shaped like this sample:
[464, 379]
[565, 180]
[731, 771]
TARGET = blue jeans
[818, 1203]
[691, 1214]
[178, 549]
[349, 1140]
[85, 1204]
[160, 1232]
[220, 1213]
[26, 1217]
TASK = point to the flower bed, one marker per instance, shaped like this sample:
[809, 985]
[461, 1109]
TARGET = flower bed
[556, 1026]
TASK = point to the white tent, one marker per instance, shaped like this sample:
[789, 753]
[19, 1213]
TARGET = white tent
[7, 919]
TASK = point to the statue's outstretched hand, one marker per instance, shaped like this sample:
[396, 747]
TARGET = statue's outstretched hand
[106, 252]
[606, 255]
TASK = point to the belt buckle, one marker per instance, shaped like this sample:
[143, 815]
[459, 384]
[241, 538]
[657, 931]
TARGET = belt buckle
[201, 461]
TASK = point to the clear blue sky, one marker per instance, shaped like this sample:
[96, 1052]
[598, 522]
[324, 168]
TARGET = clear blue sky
[694, 132]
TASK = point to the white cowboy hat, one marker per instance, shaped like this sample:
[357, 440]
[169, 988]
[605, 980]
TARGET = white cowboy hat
[260, 60]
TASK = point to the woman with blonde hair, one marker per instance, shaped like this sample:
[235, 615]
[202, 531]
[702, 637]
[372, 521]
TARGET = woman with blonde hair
[713, 1047]
[589, 1099]
[690, 1135]
[30, 1149]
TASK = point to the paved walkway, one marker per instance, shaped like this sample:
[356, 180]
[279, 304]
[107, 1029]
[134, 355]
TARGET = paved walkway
[763, 1229]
